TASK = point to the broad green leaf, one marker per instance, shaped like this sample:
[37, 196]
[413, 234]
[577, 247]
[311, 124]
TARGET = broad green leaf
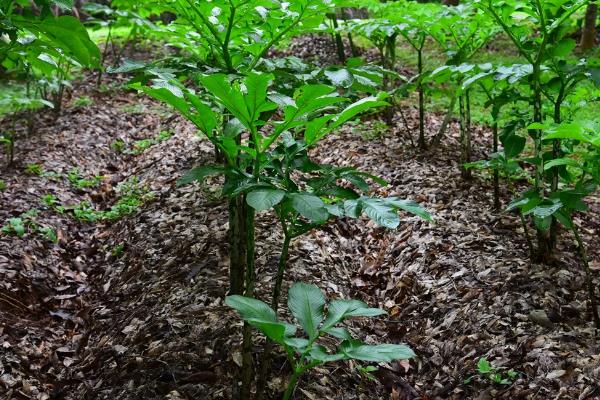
[250, 308]
[380, 212]
[340, 333]
[572, 131]
[231, 98]
[376, 353]
[513, 145]
[306, 303]
[261, 316]
[200, 173]
[297, 343]
[309, 206]
[358, 107]
[256, 94]
[263, 199]
[340, 77]
[562, 161]
[319, 353]
[338, 310]
[411, 207]
[68, 34]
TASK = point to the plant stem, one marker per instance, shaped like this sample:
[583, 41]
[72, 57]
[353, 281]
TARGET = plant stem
[104, 53]
[247, 370]
[588, 276]
[265, 361]
[292, 385]
[497, 204]
[438, 137]
[422, 143]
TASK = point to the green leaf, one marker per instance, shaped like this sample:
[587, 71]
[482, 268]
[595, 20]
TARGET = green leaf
[380, 212]
[200, 173]
[306, 303]
[340, 77]
[484, 366]
[561, 161]
[319, 353]
[358, 107]
[256, 94]
[231, 98]
[411, 207]
[340, 333]
[264, 199]
[376, 353]
[338, 310]
[513, 145]
[261, 316]
[310, 206]
[68, 34]
[66, 5]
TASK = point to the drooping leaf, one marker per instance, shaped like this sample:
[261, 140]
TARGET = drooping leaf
[338, 310]
[309, 206]
[380, 212]
[264, 199]
[200, 173]
[411, 207]
[376, 353]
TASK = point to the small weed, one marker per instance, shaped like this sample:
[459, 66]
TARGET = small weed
[50, 200]
[27, 222]
[118, 146]
[118, 250]
[142, 145]
[367, 372]
[133, 109]
[83, 101]
[3, 185]
[131, 197]
[35, 169]
[488, 371]
[80, 182]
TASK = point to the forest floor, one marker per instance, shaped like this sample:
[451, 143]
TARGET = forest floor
[133, 309]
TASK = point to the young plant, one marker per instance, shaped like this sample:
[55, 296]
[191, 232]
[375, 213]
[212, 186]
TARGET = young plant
[493, 374]
[538, 31]
[307, 304]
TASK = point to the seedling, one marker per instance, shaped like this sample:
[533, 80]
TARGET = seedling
[3, 185]
[493, 374]
[35, 169]
[83, 101]
[307, 304]
[79, 182]
[50, 200]
[27, 222]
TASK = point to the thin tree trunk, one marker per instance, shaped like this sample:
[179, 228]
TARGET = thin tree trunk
[588, 35]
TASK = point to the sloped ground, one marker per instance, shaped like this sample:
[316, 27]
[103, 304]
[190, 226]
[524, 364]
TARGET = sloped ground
[82, 321]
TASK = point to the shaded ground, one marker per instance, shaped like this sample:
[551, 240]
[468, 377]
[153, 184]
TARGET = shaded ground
[134, 309]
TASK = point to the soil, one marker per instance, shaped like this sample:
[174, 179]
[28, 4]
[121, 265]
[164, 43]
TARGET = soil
[134, 309]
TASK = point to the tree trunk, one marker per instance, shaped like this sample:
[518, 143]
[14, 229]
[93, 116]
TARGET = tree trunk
[588, 35]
